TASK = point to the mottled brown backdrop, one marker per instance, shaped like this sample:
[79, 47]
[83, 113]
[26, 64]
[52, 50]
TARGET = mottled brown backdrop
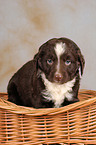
[26, 24]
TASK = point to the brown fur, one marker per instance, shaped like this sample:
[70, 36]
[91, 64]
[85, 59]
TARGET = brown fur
[26, 86]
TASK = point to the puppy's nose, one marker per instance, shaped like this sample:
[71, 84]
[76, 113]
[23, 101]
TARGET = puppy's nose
[58, 77]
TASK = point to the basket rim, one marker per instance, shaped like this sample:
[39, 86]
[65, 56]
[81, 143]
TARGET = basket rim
[13, 108]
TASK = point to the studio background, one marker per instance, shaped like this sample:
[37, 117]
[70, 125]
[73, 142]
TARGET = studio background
[27, 24]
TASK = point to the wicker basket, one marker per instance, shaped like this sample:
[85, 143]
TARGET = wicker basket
[75, 123]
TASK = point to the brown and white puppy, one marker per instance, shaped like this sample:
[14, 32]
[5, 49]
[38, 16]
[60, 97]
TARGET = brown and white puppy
[51, 79]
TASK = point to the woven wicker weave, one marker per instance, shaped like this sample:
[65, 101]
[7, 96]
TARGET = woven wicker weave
[75, 123]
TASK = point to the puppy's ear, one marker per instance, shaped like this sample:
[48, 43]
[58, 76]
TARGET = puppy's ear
[38, 58]
[81, 62]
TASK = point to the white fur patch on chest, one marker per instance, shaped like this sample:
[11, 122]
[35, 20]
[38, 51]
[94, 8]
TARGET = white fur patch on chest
[57, 92]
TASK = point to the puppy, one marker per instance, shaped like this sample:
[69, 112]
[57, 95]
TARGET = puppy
[51, 79]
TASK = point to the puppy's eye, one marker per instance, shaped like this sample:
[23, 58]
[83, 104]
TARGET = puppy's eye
[67, 62]
[50, 61]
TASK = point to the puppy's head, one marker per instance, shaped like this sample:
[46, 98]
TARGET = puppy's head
[60, 60]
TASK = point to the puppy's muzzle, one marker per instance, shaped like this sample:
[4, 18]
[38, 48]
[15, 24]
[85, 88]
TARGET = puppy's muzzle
[58, 77]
